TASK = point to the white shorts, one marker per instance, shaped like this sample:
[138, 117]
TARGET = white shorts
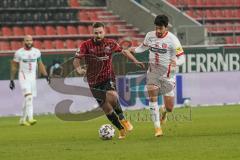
[28, 84]
[166, 85]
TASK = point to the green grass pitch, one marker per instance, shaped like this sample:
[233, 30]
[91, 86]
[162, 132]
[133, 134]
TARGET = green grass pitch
[204, 133]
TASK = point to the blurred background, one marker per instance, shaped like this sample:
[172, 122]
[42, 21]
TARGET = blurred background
[209, 31]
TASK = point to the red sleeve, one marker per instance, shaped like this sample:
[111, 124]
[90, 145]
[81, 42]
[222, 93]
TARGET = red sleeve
[116, 47]
[81, 51]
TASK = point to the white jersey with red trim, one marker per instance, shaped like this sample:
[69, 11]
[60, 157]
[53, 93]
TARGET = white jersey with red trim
[27, 60]
[162, 50]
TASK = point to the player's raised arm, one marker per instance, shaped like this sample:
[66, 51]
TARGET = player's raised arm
[43, 70]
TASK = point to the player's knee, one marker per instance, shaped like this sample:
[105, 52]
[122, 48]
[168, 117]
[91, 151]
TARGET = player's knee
[107, 108]
[169, 109]
[29, 100]
[111, 97]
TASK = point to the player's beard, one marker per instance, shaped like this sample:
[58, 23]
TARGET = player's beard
[98, 40]
[28, 46]
[159, 35]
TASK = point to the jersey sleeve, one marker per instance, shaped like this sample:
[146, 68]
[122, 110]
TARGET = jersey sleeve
[16, 57]
[146, 40]
[116, 47]
[81, 50]
[177, 47]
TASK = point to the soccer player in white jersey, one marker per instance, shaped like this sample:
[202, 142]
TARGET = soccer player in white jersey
[27, 61]
[165, 54]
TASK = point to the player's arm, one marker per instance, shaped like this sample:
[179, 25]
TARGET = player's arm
[14, 68]
[77, 66]
[129, 56]
[178, 51]
[141, 48]
[81, 51]
[43, 70]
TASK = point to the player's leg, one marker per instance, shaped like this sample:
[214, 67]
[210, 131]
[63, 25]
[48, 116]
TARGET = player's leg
[153, 106]
[112, 98]
[26, 90]
[99, 92]
[167, 107]
[168, 87]
[31, 120]
[111, 115]
[23, 118]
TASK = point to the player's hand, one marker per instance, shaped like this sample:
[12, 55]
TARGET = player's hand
[12, 85]
[140, 64]
[48, 79]
[173, 62]
[131, 49]
[81, 71]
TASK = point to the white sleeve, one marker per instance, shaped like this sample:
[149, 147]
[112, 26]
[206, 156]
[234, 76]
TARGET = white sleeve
[180, 60]
[177, 47]
[144, 46]
[141, 48]
[16, 57]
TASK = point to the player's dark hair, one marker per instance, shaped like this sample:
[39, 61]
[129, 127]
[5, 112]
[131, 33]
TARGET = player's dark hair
[98, 24]
[161, 20]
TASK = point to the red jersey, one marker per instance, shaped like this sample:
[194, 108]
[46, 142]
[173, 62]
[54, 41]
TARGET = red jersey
[98, 58]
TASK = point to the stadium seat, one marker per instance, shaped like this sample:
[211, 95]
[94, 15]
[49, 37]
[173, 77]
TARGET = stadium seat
[50, 30]
[174, 2]
[15, 45]
[38, 44]
[90, 29]
[48, 44]
[238, 39]
[4, 45]
[61, 30]
[229, 13]
[83, 16]
[6, 31]
[59, 44]
[219, 13]
[229, 40]
[71, 30]
[93, 16]
[83, 30]
[70, 44]
[78, 43]
[113, 29]
[39, 30]
[28, 30]
[18, 31]
[74, 3]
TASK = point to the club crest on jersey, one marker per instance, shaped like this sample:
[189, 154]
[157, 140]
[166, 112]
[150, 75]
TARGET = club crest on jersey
[164, 46]
[107, 49]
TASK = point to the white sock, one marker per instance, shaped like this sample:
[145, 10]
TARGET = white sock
[24, 112]
[29, 107]
[154, 110]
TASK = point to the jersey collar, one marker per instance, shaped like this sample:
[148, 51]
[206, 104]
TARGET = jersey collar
[164, 35]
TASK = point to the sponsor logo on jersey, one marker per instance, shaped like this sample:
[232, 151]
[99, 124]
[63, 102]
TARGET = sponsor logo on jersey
[158, 50]
[104, 58]
[29, 60]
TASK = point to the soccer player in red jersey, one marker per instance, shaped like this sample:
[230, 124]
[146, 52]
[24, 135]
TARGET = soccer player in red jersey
[97, 53]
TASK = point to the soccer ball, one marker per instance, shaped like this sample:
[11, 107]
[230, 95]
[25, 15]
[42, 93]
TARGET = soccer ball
[106, 132]
[187, 102]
